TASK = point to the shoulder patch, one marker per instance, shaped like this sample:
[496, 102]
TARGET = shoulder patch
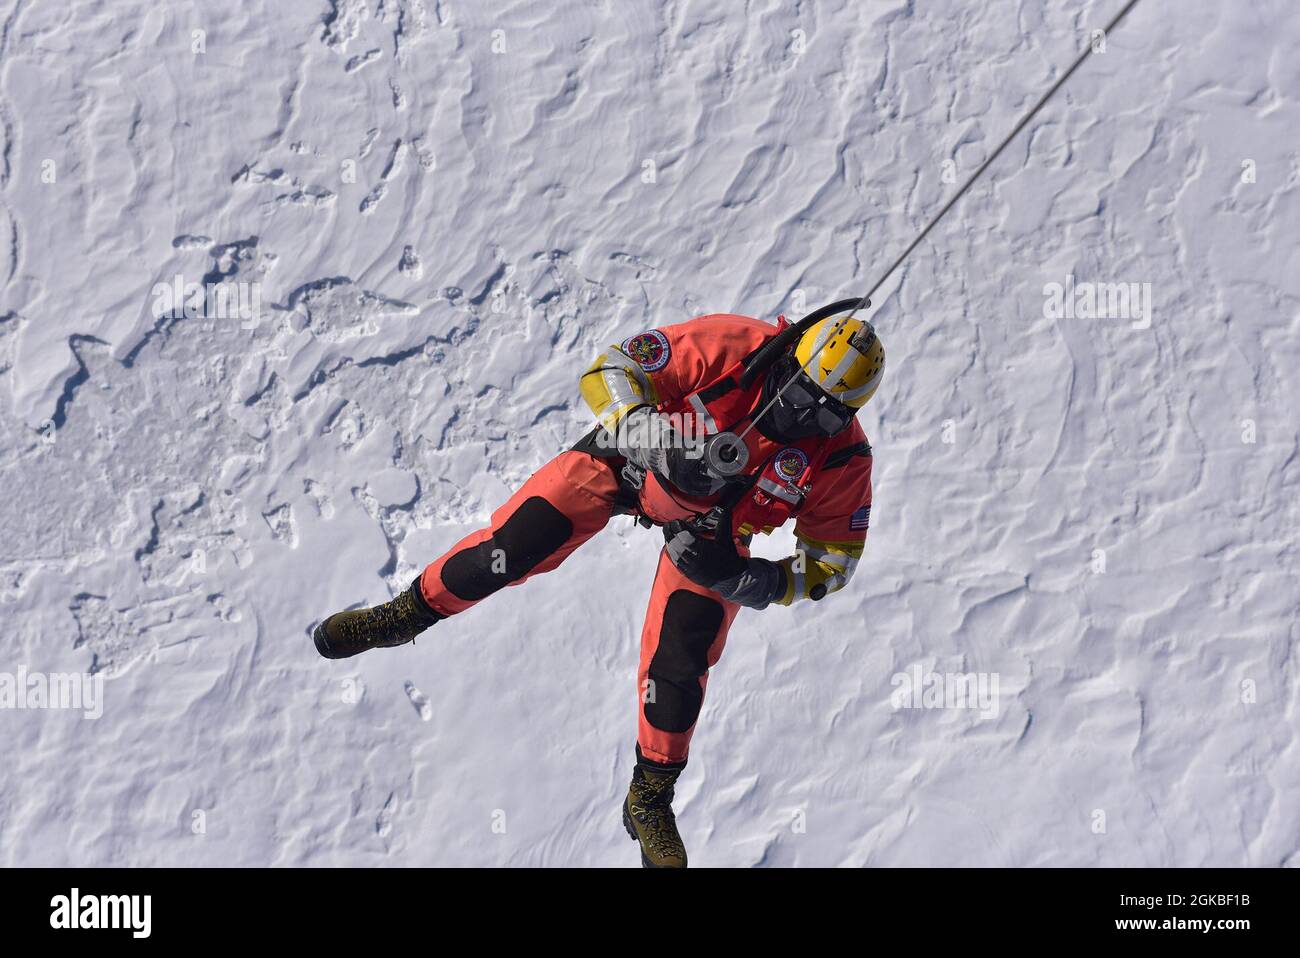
[861, 519]
[650, 350]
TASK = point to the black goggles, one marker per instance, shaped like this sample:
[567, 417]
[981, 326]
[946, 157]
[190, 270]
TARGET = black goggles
[810, 405]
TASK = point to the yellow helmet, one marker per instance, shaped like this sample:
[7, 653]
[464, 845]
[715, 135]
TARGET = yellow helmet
[846, 359]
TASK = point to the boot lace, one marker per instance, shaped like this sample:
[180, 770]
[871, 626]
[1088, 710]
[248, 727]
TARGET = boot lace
[653, 809]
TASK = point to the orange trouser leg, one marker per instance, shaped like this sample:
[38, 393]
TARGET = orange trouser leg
[560, 507]
[685, 630]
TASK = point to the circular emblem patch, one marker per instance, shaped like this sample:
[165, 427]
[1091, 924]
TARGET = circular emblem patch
[650, 350]
[790, 463]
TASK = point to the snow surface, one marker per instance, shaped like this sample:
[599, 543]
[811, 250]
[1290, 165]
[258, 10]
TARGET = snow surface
[183, 499]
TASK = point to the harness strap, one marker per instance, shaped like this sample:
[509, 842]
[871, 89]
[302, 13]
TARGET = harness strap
[631, 477]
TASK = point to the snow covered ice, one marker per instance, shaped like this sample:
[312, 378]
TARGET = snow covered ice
[431, 215]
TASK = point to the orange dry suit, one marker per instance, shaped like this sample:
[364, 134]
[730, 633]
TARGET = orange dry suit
[688, 373]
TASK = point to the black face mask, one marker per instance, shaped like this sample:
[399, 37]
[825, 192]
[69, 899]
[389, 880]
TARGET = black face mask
[803, 409]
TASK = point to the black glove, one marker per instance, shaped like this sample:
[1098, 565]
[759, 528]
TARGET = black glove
[705, 561]
[689, 475]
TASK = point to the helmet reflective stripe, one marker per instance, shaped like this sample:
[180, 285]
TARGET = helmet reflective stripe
[823, 336]
[814, 369]
[865, 390]
[841, 369]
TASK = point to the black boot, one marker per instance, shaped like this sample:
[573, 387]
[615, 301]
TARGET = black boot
[648, 813]
[344, 634]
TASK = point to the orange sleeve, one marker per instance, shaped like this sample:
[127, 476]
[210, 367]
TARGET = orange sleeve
[831, 529]
[680, 358]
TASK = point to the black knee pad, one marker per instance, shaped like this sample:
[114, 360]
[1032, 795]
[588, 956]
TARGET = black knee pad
[690, 626]
[535, 530]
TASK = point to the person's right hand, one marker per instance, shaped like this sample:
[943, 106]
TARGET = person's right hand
[650, 441]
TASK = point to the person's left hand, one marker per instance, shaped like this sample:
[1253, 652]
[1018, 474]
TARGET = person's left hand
[705, 561]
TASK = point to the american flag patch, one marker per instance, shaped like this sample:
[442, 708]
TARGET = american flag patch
[860, 519]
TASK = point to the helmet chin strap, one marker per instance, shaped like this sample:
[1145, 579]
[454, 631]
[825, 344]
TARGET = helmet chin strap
[725, 451]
